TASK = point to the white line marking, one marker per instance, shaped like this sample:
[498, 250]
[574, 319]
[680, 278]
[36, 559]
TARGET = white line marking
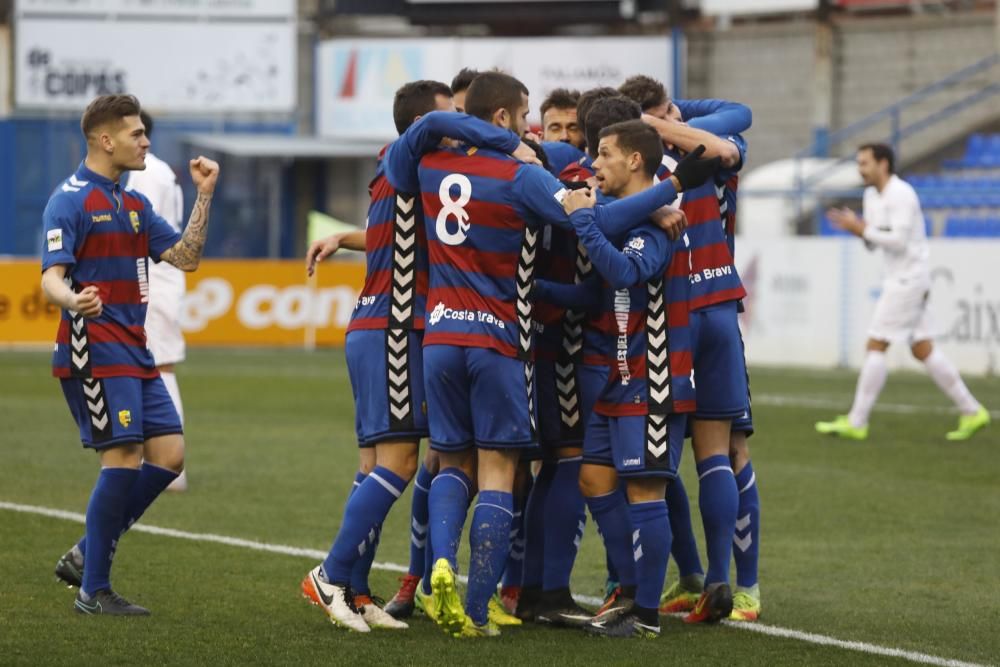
[780, 401]
[774, 631]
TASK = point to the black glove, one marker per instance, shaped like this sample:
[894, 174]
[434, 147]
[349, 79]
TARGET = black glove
[692, 171]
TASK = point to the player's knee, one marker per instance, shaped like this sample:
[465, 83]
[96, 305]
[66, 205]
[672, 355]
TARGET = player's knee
[875, 345]
[645, 489]
[739, 452]
[399, 457]
[922, 349]
[597, 481]
[122, 456]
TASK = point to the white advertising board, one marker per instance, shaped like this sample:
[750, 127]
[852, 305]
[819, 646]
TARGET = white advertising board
[148, 8]
[811, 301]
[170, 66]
[358, 78]
[712, 7]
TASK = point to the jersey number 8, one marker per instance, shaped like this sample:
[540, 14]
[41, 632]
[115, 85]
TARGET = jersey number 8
[453, 208]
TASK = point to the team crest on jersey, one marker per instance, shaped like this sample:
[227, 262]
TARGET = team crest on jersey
[55, 239]
[133, 217]
[125, 417]
[638, 243]
[437, 313]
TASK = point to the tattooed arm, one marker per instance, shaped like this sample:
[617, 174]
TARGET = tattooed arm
[186, 253]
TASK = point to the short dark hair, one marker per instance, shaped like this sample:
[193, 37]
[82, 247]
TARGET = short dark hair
[645, 90]
[561, 98]
[463, 79]
[147, 122]
[634, 136]
[881, 152]
[107, 108]
[416, 99]
[608, 111]
[587, 100]
[491, 91]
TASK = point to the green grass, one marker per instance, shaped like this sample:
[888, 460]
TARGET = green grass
[892, 542]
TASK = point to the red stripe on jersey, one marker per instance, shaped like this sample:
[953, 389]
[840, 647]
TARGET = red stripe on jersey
[470, 260]
[680, 264]
[117, 370]
[470, 165]
[681, 363]
[481, 213]
[104, 333]
[115, 292]
[132, 203]
[712, 256]
[114, 244]
[701, 210]
[378, 235]
[714, 298]
[620, 409]
[469, 340]
[575, 171]
[595, 360]
[96, 201]
[678, 313]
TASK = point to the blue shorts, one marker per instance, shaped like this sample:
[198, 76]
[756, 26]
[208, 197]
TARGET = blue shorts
[720, 372]
[120, 410]
[640, 446]
[478, 397]
[387, 377]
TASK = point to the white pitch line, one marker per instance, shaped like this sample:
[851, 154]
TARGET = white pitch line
[780, 401]
[286, 550]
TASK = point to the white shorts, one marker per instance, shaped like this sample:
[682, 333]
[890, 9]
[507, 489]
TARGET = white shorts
[167, 285]
[902, 314]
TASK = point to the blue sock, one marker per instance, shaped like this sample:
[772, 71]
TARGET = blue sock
[534, 527]
[105, 513]
[610, 512]
[565, 518]
[148, 486]
[746, 542]
[448, 504]
[365, 511]
[650, 549]
[358, 478]
[718, 500]
[363, 566]
[513, 570]
[608, 563]
[489, 542]
[418, 521]
[684, 548]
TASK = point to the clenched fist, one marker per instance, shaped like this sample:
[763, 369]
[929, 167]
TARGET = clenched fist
[204, 173]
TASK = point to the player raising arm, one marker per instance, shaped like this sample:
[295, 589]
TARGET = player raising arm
[95, 267]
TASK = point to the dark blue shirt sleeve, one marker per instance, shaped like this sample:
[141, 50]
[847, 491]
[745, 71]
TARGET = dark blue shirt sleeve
[578, 296]
[645, 254]
[62, 229]
[719, 117]
[403, 155]
[537, 194]
[723, 175]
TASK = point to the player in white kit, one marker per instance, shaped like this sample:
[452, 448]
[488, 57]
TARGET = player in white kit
[167, 283]
[893, 221]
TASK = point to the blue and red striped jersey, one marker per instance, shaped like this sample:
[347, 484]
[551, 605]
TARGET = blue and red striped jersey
[713, 274]
[633, 317]
[104, 236]
[395, 290]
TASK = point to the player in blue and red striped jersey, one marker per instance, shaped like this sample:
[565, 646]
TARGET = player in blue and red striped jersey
[634, 434]
[684, 124]
[98, 240]
[385, 364]
[719, 371]
[483, 211]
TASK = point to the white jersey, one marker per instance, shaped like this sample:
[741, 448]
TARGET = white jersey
[167, 284]
[895, 223]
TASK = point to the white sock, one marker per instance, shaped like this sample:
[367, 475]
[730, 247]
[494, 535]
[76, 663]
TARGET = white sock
[170, 380]
[946, 377]
[870, 382]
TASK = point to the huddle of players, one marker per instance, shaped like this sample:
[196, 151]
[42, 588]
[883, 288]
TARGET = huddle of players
[547, 319]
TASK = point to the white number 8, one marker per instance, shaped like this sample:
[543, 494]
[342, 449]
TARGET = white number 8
[454, 208]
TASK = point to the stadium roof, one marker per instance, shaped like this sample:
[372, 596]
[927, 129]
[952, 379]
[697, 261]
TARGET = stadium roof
[285, 145]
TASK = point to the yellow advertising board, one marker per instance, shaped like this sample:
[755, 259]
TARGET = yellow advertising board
[228, 302]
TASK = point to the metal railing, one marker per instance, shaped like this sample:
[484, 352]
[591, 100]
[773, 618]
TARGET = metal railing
[805, 186]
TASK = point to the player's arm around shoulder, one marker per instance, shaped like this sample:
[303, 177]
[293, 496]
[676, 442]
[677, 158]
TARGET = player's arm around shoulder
[186, 253]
